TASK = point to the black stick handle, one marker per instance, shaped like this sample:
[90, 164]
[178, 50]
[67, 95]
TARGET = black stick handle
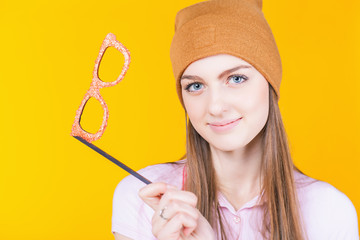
[120, 164]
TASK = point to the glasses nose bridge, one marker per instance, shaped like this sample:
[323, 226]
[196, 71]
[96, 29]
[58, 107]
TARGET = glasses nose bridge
[97, 83]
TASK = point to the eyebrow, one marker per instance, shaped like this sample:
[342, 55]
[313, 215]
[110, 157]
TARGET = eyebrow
[226, 72]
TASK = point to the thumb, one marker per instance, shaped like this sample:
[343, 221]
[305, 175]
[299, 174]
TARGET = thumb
[152, 193]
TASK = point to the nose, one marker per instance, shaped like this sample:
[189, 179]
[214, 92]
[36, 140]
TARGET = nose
[217, 102]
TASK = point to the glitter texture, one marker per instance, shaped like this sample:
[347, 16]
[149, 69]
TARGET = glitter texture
[96, 85]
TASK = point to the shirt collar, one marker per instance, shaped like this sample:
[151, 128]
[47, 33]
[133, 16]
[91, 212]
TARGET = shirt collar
[223, 202]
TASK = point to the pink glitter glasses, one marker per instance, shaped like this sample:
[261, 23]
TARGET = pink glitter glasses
[96, 85]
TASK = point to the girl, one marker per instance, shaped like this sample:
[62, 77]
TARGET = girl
[237, 179]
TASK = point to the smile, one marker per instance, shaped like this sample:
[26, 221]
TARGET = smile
[221, 127]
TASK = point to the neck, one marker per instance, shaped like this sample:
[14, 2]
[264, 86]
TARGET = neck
[238, 171]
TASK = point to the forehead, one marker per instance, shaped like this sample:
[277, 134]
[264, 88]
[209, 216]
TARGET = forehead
[215, 64]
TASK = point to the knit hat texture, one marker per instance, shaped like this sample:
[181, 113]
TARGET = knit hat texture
[234, 27]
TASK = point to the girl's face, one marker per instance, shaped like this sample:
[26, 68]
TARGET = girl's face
[220, 89]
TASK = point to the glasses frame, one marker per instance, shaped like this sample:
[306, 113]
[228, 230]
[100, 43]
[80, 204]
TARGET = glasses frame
[96, 85]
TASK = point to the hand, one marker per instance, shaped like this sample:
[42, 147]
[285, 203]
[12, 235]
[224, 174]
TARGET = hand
[183, 221]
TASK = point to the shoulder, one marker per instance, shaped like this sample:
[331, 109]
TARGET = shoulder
[325, 209]
[320, 194]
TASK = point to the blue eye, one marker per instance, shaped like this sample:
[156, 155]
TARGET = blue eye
[196, 85]
[238, 78]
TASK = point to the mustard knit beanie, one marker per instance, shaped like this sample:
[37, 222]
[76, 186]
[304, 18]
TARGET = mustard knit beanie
[235, 27]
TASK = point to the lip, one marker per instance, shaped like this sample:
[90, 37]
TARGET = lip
[224, 122]
[224, 125]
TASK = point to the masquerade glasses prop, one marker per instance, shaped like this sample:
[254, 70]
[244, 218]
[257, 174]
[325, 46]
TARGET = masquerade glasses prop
[77, 131]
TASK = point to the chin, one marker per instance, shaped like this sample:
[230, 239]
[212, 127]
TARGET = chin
[228, 146]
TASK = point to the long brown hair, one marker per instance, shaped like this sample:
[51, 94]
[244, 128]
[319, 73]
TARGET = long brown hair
[281, 217]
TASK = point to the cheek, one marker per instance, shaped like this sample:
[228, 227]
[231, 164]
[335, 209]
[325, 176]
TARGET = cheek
[261, 103]
[194, 108]
[256, 103]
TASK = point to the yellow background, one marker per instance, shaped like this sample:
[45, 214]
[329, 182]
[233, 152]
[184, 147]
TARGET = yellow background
[54, 187]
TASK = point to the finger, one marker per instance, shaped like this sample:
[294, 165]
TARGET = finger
[151, 193]
[174, 201]
[181, 222]
[175, 206]
[178, 196]
[169, 211]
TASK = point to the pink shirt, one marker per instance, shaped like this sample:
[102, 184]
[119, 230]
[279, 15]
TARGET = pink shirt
[327, 213]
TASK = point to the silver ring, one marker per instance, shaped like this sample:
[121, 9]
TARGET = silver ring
[161, 214]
